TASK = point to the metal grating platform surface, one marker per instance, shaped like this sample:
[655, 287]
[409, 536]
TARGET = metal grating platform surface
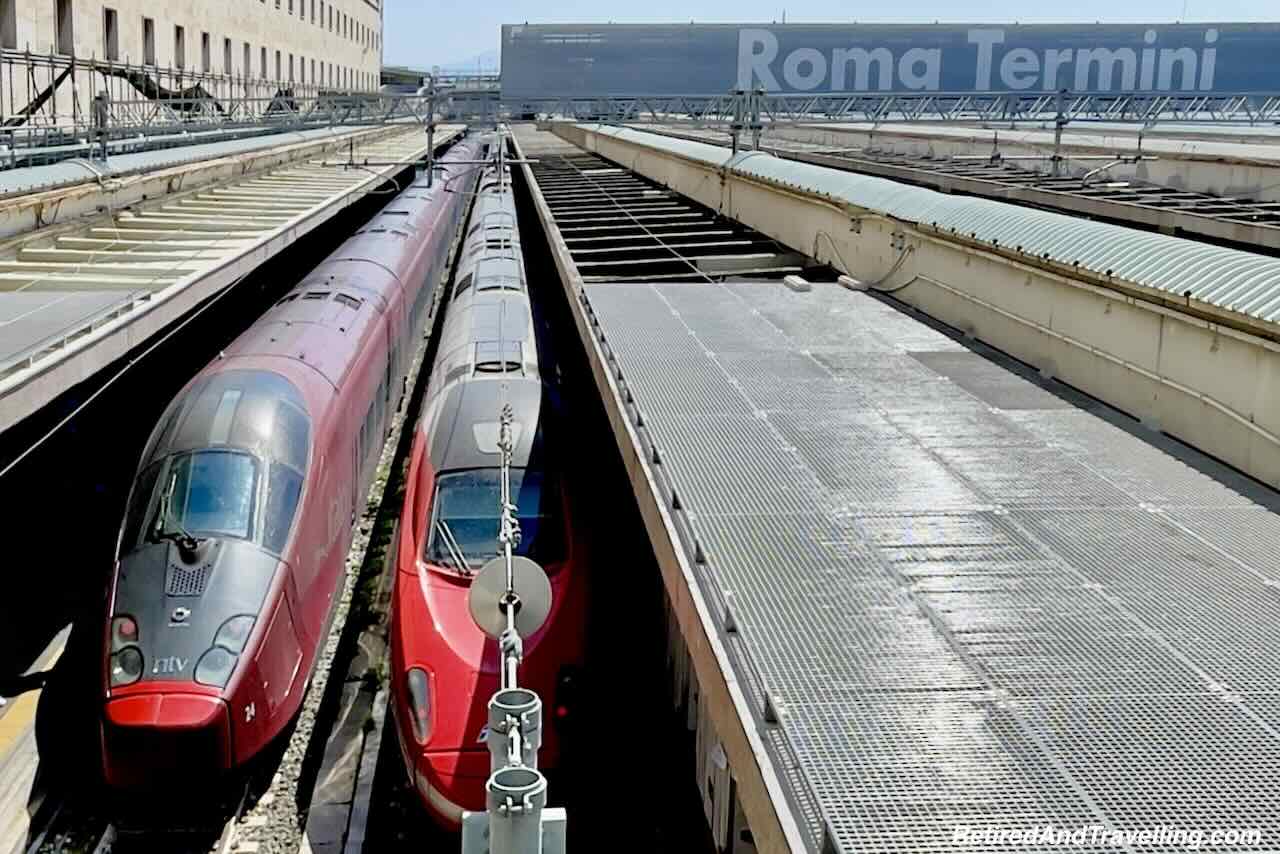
[976, 601]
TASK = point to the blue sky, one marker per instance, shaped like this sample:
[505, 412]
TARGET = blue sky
[426, 32]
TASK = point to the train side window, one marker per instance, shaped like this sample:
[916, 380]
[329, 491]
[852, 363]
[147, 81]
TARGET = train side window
[370, 429]
[284, 486]
[463, 285]
[290, 437]
[348, 300]
[380, 409]
[139, 507]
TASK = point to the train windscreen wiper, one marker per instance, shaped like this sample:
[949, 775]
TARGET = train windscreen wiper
[451, 545]
[161, 528]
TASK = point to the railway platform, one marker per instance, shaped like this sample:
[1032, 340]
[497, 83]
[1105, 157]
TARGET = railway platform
[925, 596]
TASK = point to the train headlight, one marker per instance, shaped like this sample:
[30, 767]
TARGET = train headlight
[126, 666]
[219, 661]
[215, 666]
[419, 703]
[124, 632]
[234, 633]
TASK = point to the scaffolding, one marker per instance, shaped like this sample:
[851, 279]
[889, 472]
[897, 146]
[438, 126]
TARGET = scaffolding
[48, 100]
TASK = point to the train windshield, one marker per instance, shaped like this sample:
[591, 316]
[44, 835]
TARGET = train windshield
[214, 493]
[204, 492]
[464, 523]
[228, 459]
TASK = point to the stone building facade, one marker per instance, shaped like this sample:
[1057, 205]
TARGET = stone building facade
[324, 44]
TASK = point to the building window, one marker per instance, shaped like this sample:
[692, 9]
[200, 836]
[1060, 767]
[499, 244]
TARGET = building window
[278, 67]
[313, 11]
[313, 71]
[322, 13]
[263, 65]
[290, 7]
[206, 61]
[110, 34]
[247, 70]
[148, 41]
[63, 16]
[290, 68]
[226, 56]
[330, 18]
[8, 23]
[179, 47]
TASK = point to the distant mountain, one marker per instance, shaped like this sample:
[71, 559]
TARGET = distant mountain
[487, 61]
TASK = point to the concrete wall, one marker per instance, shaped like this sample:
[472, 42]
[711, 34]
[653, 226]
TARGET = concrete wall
[346, 53]
[1218, 389]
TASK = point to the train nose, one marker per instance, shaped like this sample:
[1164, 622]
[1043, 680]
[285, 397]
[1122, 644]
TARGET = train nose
[150, 739]
[452, 781]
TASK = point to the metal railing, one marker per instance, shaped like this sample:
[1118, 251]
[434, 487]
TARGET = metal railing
[50, 103]
[1143, 108]
[48, 99]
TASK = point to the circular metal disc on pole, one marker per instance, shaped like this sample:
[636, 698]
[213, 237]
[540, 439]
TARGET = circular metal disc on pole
[489, 588]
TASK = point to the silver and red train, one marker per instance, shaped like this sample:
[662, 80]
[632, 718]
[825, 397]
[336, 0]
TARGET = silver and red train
[233, 550]
[444, 668]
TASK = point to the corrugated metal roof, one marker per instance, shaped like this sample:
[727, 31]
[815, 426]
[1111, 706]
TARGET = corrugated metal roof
[37, 178]
[1245, 144]
[1242, 282]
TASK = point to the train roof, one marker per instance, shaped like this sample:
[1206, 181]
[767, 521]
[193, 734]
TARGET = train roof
[465, 427]
[254, 410]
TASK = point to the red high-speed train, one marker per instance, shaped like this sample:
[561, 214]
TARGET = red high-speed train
[235, 539]
[444, 668]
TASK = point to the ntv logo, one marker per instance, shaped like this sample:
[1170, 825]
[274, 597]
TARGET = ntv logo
[1082, 69]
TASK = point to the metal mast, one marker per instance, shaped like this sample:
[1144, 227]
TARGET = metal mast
[510, 599]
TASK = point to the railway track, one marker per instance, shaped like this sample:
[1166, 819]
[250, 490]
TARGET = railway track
[70, 830]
